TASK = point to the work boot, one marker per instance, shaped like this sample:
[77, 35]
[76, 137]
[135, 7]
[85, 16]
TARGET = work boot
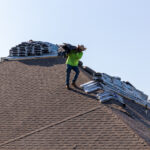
[67, 87]
[74, 84]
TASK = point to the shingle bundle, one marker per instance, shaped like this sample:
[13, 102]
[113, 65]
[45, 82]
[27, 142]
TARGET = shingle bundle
[33, 48]
[65, 49]
[108, 95]
[90, 86]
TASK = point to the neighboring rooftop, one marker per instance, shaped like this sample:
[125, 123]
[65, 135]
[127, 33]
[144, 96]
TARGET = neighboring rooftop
[37, 112]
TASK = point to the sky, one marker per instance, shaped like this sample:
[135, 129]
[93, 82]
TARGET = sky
[115, 32]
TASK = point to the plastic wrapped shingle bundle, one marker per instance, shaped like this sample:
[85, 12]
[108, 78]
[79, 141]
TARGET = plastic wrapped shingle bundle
[106, 78]
[33, 48]
[119, 98]
[90, 86]
[140, 94]
[130, 89]
[117, 81]
[108, 95]
[148, 104]
[52, 48]
[105, 96]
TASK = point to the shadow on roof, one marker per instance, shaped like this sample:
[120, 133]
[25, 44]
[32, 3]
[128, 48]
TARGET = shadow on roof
[79, 91]
[45, 62]
[133, 110]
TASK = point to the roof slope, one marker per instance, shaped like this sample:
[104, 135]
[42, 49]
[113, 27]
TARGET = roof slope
[37, 112]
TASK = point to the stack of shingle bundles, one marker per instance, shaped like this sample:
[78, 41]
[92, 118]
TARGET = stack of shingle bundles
[123, 88]
[33, 48]
[111, 84]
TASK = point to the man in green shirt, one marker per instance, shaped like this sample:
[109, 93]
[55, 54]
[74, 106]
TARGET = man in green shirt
[72, 64]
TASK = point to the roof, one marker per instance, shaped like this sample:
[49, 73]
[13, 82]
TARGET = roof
[37, 112]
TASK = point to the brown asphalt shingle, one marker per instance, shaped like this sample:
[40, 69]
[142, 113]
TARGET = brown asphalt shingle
[37, 112]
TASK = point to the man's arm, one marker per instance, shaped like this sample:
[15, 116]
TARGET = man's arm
[79, 55]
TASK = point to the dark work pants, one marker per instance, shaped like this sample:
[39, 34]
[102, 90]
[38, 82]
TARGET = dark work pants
[68, 71]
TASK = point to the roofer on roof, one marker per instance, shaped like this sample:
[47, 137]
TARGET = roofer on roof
[72, 64]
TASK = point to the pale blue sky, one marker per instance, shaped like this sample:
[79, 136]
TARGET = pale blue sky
[115, 32]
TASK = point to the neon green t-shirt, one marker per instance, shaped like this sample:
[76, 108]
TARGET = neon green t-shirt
[73, 58]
